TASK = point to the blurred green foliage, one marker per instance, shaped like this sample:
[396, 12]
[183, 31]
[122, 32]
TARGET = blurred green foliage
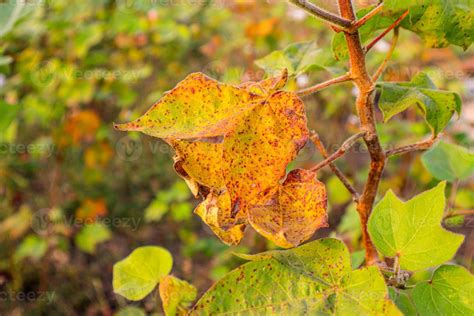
[76, 196]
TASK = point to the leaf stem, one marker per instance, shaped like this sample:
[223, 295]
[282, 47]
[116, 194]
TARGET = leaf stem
[322, 14]
[340, 152]
[322, 85]
[423, 145]
[367, 17]
[386, 31]
[381, 68]
[320, 146]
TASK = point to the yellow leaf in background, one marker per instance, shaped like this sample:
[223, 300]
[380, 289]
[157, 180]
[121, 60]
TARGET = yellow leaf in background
[91, 209]
[82, 126]
[294, 213]
[98, 155]
[177, 295]
[17, 224]
[262, 28]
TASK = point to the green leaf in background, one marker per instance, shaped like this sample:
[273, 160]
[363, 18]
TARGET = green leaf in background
[449, 292]
[297, 58]
[337, 192]
[5, 60]
[10, 12]
[315, 278]
[138, 274]
[350, 224]
[173, 199]
[156, 210]
[339, 45]
[449, 162]
[8, 114]
[412, 231]
[438, 106]
[32, 247]
[177, 295]
[90, 235]
[438, 22]
[130, 311]
[403, 302]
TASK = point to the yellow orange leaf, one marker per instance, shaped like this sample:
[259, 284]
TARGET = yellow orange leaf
[295, 211]
[257, 152]
[215, 211]
[233, 145]
[98, 155]
[261, 29]
[82, 126]
[91, 209]
[197, 107]
[201, 161]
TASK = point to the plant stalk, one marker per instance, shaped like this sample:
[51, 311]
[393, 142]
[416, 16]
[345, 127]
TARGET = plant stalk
[365, 110]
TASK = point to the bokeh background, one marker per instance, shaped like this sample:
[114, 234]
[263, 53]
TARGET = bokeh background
[76, 196]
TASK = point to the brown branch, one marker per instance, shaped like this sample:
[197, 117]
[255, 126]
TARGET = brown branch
[320, 146]
[323, 14]
[365, 110]
[423, 145]
[381, 68]
[382, 35]
[340, 152]
[322, 85]
[366, 17]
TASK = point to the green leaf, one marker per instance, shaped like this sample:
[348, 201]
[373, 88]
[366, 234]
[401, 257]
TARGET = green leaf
[449, 162]
[438, 22]
[403, 302]
[5, 60]
[9, 113]
[10, 12]
[449, 292]
[32, 247]
[438, 106]
[177, 295]
[411, 230]
[137, 275]
[363, 292]
[156, 210]
[298, 58]
[131, 311]
[337, 192]
[91, 235]
[313, 279]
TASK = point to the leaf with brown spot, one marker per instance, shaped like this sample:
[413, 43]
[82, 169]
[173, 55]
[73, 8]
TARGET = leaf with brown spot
[197, 107]
[233, 144]
[215, 211]
[201, 161]
[295, 211]
[177, 295]
[257, 153]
